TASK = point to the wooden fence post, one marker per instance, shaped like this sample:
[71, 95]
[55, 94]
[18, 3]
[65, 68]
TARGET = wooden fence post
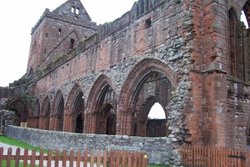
[41, 157]
[49, 158]
[78, 158]
[17, 157]
[56, 158]
[71, 158]
[105, 159]
[85, 159]
[8, 157]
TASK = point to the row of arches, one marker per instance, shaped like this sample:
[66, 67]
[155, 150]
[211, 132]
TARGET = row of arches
[107, 111]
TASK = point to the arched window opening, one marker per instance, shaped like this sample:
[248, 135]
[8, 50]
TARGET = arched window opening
[36, 114]
[72, 9]
[46, 115]
[246, 13]
[79, 123]
[106, 117]
[57, 124]
[78, 111]
[111, 122]
[149, 118]
[77, 11]
[156, 124]
[156, 112]
[60, 111]
[148, 23]
[21, 114]
[243, 19]
[233, 20]
[236, 43]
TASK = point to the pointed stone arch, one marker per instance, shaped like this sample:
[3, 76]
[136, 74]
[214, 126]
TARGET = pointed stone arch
[246, 9]
[236, 51]
[57, 117]
[44, 121]
[102, 107]
[246, 41]
[148, 75]
[74, 116]
[23, 110]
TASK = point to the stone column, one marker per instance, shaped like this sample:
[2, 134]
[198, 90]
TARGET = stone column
[33, 122]
[52, 125]
[90, 123]
[41, 122]
[125, 123]
[68, 123]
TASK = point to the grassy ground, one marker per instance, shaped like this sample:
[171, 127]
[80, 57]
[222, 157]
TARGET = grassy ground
[13, 142]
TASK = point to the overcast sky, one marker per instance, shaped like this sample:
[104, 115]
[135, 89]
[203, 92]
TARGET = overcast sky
[18, 17]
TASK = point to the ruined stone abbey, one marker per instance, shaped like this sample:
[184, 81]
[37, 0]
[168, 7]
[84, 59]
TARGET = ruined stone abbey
[191, 56]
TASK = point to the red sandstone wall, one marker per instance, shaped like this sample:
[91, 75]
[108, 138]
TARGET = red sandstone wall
[214, 108]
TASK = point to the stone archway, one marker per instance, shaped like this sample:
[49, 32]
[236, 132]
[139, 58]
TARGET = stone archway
[44, 122]
[22, 110]
[105, 115]
[36, 114]
[246, 10]
[74, 116]
[102, 107]
[154, 87]
[57, 116]
[150, 81]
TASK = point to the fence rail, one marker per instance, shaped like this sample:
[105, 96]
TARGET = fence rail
[204, 156]
[63, 159]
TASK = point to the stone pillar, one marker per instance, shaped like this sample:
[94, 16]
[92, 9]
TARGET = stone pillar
[41, 122]
[68, 123]
[33, 122]
[90, 123]
[52, 125]
[125, 123]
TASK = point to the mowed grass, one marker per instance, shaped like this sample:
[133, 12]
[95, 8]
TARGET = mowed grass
[13, 142]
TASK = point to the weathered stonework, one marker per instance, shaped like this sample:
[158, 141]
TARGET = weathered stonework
[159, 149]
[6, 118]
[190, 56]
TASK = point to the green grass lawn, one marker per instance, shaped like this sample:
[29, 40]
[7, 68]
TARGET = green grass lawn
[13, 142]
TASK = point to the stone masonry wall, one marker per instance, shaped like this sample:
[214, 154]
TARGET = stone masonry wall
[165, 41]
[6, 118]
[159, 149]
